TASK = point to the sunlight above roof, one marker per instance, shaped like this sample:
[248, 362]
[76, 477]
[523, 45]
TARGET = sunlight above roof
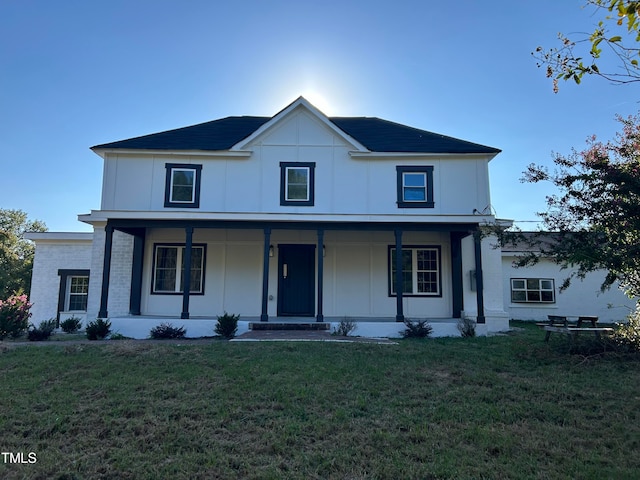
[319, 101]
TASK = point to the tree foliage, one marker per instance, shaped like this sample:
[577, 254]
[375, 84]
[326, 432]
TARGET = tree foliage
[595, 216]
[16, 253]
[616, 35]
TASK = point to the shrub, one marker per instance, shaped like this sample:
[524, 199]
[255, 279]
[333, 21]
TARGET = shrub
[166, 330]
[626, 336]
[118, 336]
[417, 329]
[14, 316]
[98, 330]
[345, 327]
[71, 325]
[466, 327]
[43, 332]
[227, 325]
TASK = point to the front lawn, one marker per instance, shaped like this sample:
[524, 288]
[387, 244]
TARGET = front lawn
[499, 407]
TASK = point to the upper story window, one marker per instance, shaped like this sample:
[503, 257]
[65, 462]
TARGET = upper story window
[532, 290]
[415, 186]
[297, 181]
[182, 187]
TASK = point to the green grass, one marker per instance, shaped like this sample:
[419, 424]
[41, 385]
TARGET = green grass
[499, 407]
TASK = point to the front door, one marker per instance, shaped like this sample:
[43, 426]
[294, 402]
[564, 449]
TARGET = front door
[296, 280]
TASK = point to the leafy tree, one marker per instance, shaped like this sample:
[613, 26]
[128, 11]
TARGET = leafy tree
[617, 34]
[16, 253]
[595, 216]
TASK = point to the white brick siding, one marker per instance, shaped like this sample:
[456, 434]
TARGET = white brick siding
[51, 255]
[120, 274]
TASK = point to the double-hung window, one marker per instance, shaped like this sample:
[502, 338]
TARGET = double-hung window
[182, 185]
[169, 269]
[415, 186]
[77, 294]
[533, 290]
[421, 275]
[297, 181]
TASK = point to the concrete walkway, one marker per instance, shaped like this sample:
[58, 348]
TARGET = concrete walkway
[304, 336]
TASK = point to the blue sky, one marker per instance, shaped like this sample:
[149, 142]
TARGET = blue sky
[74, 74]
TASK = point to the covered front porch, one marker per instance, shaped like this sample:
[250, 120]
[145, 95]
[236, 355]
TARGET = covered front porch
[276, 271]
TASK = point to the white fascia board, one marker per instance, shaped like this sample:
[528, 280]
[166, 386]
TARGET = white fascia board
[101, 216]
[301, 102]
[103, 152]
[62, 237]
[417, 155]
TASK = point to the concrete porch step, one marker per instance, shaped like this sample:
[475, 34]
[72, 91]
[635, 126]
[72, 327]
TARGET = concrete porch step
[315, 326]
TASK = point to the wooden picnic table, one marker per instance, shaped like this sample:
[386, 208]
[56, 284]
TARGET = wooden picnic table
[561, 324]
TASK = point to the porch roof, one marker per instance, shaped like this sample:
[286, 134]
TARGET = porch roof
[135, 225]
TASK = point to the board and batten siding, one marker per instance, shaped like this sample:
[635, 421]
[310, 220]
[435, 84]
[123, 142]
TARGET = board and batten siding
[355, 273]
[343, 184]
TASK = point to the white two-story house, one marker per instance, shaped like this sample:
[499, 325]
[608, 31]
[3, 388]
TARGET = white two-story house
[298, 215]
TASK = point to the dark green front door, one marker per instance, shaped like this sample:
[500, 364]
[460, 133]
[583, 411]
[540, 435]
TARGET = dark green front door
[296, 280]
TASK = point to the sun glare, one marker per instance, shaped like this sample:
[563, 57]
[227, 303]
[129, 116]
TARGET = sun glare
[318, 101]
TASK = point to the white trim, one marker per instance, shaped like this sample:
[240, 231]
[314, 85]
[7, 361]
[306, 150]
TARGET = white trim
[103, 152]
[286, 186]
[67, 297]
[59, 236]
[415, 270]
[356, 155]
[179, 265]
[192, 200]
[97, 216]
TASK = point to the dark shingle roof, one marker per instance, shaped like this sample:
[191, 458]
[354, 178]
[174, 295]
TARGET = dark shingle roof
[374, 133]
[380, 135]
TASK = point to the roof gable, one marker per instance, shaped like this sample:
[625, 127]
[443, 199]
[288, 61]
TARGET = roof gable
[300, 104]
[365, 134]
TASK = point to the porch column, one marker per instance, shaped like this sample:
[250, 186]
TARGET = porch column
[399, 283]
[136, 273]
[320, 249]
[479, 283]
[456, 274]
[106, 272]
[264, 317]
[186, 285]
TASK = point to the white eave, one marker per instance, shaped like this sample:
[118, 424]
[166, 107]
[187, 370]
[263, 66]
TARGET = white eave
[174, 153]
[417, 155]
[60, 237]
[102, 216]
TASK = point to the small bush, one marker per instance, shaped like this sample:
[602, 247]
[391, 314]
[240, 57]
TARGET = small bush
[98, 330]
[345, 327]
[14, 316]
[166, 330]
[71, 325]
[417, 329]
[227, 325]
[626, 336]
[118, 336]
[466, 327]
[43, 332]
